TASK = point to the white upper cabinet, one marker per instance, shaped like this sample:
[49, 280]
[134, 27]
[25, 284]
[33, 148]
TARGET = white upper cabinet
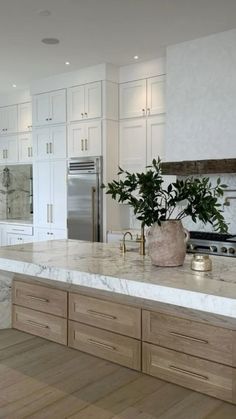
[50, 142]
[8, 120]
[133, 99]
[155, 138]
[85, 102]
[156, 95]
[85, 139]
[49, 108]
[25, 117]
[9, 149]
[133, 145]
[25, 147]
[142, 98]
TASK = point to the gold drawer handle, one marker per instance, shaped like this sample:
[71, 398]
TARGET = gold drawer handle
[102, 345]
[103, 315]
[179, 335]
[42, 326]
[191, 373]
[43, 300]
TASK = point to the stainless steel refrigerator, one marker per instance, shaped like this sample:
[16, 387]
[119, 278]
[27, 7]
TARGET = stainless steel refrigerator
[85, 199]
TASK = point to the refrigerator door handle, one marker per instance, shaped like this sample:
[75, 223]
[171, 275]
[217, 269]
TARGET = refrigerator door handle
[93, 192]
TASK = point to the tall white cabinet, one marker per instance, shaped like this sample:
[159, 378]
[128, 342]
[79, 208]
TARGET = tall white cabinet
[142, 123]
[49, 108]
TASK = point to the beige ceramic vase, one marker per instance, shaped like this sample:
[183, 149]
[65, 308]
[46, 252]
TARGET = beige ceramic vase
[167, 243]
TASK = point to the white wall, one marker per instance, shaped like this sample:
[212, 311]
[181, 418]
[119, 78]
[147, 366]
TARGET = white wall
[142, 70]
[201, 98]
[14, 97]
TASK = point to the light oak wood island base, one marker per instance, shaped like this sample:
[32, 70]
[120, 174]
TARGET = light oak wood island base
[194, 350]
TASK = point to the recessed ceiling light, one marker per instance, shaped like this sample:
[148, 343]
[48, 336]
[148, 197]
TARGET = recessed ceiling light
[44, 13]
[136, 57]
[50, 41]
[67, 63]
[14, 85]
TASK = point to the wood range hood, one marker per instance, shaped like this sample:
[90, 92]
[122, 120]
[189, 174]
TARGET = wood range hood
[199, 167]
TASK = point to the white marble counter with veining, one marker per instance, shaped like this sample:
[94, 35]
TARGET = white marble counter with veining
[102, 267]
[16, 221]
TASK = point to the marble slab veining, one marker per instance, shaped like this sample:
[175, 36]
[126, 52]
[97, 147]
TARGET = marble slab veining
[102, 267]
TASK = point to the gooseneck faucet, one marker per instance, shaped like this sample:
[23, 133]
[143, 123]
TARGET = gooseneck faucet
[123, 245]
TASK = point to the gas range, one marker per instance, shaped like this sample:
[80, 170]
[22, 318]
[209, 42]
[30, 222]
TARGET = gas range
[212, 243]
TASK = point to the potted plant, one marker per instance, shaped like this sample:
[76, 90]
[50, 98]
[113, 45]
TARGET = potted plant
[162, 209]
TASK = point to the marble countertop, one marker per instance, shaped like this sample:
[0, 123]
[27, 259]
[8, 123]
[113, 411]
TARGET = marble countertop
[102, 267]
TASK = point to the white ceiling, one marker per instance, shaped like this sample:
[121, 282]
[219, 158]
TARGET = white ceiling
[96, 31]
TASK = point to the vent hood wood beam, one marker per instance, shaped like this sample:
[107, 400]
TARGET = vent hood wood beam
[199, 167]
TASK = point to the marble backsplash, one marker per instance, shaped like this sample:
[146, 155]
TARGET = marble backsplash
[229, 212]
[16, 192]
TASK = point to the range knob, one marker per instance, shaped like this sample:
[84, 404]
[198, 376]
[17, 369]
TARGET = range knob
[231, 250]
[224, 249]
[213, 248]
[191, 246]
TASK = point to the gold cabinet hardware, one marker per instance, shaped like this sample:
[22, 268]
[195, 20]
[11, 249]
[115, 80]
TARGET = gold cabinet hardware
[82, 145]
[191, 373]
[102, 345]
[42, 326]
[102, 315]
[33, 297]
[86, 144]
[191, 338]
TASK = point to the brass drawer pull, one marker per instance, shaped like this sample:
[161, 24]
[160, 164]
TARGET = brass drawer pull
[192, 374]
[102, 345]
[42, 326]
[103, 315]
[179, 335]
[43, 300]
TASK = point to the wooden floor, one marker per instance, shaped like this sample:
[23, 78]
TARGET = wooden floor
[41, 379]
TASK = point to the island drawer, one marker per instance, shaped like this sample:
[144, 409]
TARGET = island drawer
[20, 229]
[189, 371]
[183, 335]
[40, 298]
[111, 346]
[40, 324]
[106, 315]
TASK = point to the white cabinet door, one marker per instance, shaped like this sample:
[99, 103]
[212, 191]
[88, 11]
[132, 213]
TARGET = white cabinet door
[156, 95]
[41, 109]
[18, 239]
[155, 138]
[85, 139]
[25, 147]
[49, 108]
[76, 99]
[12, 149]
[93, 139]
[133, 99]
[57, 107]
[8, 119]
[25, 117]
[57, 149]
[93, 100]
[41, 143]
[42, 193]
[133, 145]
[43, 234]
[76, 140]
[58, 200]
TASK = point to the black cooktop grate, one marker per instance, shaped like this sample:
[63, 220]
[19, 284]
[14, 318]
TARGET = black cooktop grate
[200, 235]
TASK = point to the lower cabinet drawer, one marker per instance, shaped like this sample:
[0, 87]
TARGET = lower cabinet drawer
[40, 324]
[189, 371]
[106, 315]
[111, 346]
[38, 297]
[193, 338]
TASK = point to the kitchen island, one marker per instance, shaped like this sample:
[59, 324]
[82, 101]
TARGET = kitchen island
[172, 323]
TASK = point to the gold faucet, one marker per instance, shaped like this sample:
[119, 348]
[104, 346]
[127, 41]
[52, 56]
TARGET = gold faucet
[123, 245]
[142, 241]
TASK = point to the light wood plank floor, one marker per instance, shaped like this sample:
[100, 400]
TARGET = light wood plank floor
[41, 379]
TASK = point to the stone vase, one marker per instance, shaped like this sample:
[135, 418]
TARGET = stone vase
[167, 243]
